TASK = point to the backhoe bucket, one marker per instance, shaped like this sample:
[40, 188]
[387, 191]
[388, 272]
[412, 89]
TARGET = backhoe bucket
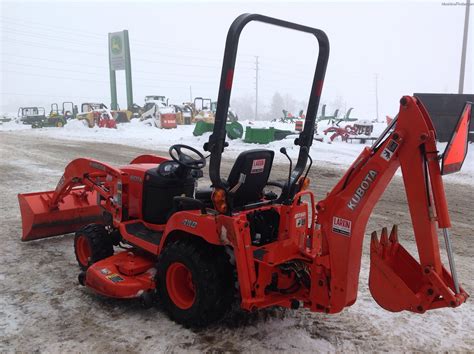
[398, 282]
[40, 220]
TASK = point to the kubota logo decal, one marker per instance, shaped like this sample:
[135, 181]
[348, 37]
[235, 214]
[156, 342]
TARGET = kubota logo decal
[362, 189]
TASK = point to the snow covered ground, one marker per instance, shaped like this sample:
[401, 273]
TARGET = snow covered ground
[42, 307]
[137, 134]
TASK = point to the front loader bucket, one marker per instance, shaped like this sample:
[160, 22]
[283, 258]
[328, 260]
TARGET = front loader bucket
[75, 210]
[398, 282]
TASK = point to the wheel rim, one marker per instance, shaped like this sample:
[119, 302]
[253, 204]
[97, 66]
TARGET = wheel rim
[60, 124]
[83, 251]
[180, 286]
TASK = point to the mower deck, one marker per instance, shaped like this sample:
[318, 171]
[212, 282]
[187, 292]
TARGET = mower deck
[124, 275]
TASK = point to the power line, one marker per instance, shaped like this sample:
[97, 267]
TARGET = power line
[88, 44]
[104, 67]
[102, 38]
[149, 77]
[157, 85]
[45, 36]
[41, 45]
[44, 95]
[97, 36]
[49, 68]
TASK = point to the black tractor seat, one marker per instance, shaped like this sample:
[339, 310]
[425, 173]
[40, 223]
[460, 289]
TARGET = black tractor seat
[246, 180]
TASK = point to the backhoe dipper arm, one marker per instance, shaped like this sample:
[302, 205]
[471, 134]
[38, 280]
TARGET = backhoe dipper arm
[397, 281]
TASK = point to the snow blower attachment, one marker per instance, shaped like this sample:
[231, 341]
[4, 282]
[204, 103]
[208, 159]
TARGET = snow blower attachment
[188, 246]
[75, 202]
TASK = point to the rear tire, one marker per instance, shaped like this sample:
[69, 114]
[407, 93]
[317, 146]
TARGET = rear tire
[92, 243]
[194, 282]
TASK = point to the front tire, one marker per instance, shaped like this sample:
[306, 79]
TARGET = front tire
[194, 282]
[92, 243]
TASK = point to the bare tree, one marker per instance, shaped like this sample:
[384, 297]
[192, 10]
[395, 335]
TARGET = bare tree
[276, 107]
[244, 107]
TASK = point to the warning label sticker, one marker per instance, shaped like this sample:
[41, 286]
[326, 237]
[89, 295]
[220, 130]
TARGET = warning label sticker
[258, 166]
[300, 219]
[388, 152]
[341, 226]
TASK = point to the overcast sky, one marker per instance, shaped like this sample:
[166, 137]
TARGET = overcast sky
[57, 51]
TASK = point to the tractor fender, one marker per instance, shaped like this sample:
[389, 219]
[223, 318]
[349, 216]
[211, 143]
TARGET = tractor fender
[191, 223]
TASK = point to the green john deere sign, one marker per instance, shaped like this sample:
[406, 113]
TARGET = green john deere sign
[116, 45]
[119, 59]
[116, 51]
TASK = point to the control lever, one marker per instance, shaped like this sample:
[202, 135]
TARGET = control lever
[283, 151]
[305, 149]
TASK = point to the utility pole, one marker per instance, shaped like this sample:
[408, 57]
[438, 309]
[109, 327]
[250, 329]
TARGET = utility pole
[256, 87]
[377, 97]
[190, 94]
[464, 48]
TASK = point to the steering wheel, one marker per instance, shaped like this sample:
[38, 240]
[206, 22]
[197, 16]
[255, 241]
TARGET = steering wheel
[186, 160]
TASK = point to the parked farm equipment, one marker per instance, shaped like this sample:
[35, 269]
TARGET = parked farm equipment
[55, 118]
[189, 247]
[234, 129]
[159, 116]
[97, 114]
[33, 116]
[324, 117]
[202, 110]
[361, 130]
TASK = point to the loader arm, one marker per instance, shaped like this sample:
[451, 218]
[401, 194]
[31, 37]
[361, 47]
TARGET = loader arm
[86, 187]
[84, 172]
[397, 281]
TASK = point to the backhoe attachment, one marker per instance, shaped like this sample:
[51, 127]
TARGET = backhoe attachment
[397, 280]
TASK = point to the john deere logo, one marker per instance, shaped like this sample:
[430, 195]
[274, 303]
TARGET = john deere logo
[116, 45]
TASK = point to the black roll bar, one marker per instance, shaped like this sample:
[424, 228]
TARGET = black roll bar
[216, 143]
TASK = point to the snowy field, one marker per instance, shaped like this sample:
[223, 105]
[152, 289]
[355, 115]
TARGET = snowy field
[140, 135]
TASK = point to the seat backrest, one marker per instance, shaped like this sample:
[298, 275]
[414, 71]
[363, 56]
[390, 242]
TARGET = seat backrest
[253, 167]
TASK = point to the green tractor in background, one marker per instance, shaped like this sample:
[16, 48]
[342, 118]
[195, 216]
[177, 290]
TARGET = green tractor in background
[58, 118]
[55, 118]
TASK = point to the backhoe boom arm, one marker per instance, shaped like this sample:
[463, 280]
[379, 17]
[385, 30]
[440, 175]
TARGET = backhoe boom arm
[397, 281]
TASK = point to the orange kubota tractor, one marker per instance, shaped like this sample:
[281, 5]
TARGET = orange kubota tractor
[190, 247]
